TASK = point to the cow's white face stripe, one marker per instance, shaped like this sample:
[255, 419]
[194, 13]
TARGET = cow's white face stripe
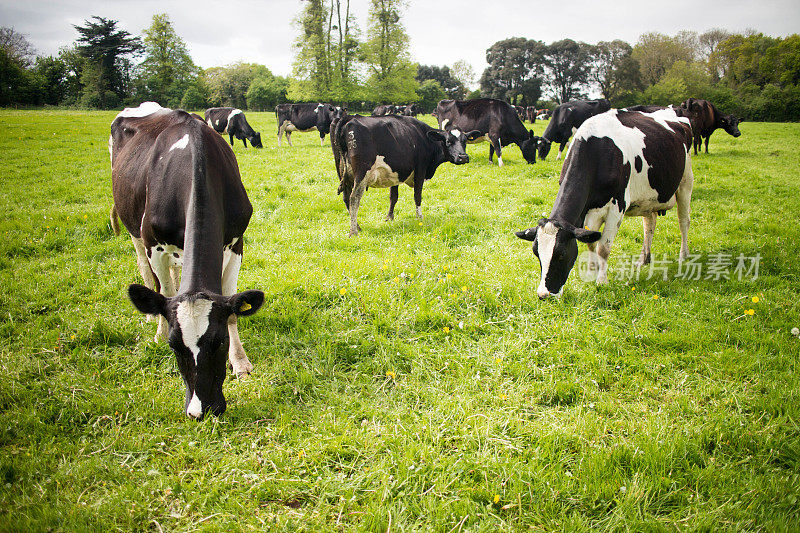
[181, 143]
[193, 321]
[546, 240]
[195, 409]
[456, 133]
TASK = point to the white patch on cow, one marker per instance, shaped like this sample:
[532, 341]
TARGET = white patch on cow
[111, 148]
[210, 124]
[144, 109]
[181, 143]
[499, 161]
[546, 240]
[233, 114]
[661, 116]
[193, 321]
[195, 409]
[456, 133]
[318, 106]
[288, 126]
[381, 175]
[445, 122]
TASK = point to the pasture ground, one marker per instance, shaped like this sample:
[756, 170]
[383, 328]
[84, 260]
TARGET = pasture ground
[408, 379]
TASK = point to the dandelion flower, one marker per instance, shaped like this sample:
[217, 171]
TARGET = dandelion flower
[420, 223]
[390, 374]
[342, 291]
[633, 288]
[655, 297]
[396, 279]
[446, 329]
[796, 332]
[755, 299]
[449, 275]
[750, 312]
[502, 397]
[496, 499]
[72, 336]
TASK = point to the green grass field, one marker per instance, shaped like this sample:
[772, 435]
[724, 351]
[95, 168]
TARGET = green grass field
[408, 379]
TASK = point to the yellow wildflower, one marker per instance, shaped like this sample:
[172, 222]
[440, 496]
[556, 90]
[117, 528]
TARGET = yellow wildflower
[342, 291]
[755, 299]
[446, 329]
[750, 312]
[496, 499]
[390, 374]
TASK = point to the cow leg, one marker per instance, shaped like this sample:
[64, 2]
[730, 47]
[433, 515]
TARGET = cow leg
[491, 153]
[495, 143]
[393, 194]
[683, 199]
[649, 227]
[707, 139]
[161, 262]
[696, 142]
[419, 181]
[144, 268]
[355, 201]
[561, 148]
[280, 135]
[610, 229]
[245, 142]
[241, 365]
[289, 138]
[322, 139]
[231, 136]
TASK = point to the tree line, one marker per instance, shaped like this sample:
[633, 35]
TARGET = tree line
[750, 74]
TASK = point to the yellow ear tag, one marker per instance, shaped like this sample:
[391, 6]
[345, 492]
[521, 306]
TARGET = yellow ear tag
[245, 307]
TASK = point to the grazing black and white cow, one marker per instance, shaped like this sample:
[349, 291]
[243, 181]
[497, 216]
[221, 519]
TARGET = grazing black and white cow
[566, 119]
[305, 117]
[530, 113]
[621, 163]
[706, 118]
[178, 192]
[384, 152]
[384, 110]
[233, 122]
[496, 120]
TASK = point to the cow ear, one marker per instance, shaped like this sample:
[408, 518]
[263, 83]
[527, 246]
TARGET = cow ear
[474, 134]
[246, 303]
[527, 234]
[531, 134]
[741, 120]
[147, 301]
[437, 135]
[587, 236]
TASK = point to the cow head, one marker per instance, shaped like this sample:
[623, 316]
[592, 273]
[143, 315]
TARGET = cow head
[555, 244]
[528, 147]
[543, 147]
[255, 140]
[730, 124]
[454, 143]
[198, 335]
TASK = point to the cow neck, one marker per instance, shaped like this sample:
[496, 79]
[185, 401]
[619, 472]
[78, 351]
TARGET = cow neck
[571, 201]
[203, 236]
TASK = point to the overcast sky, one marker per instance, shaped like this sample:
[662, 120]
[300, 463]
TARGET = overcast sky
[442, 32]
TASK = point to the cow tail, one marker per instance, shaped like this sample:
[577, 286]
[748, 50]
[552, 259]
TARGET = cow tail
[112, 216]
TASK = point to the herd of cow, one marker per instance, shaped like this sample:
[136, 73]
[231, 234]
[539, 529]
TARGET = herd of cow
[178, 192]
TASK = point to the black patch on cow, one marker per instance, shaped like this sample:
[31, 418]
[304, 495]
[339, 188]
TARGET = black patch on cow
[638, 163]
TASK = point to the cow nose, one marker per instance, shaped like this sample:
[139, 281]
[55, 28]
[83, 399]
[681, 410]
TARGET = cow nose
[463, 159]
[542, 293]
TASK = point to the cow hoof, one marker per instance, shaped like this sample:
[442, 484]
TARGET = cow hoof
[389, 218]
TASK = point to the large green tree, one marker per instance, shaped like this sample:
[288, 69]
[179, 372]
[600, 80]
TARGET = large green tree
[386, 54]
[657, 52]
[452, 87]
[18, 83]
[167, 70]
[608, 68]
[228, 86]
[326, 61]
[108, 50]
[568, 64]
[515, 71]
